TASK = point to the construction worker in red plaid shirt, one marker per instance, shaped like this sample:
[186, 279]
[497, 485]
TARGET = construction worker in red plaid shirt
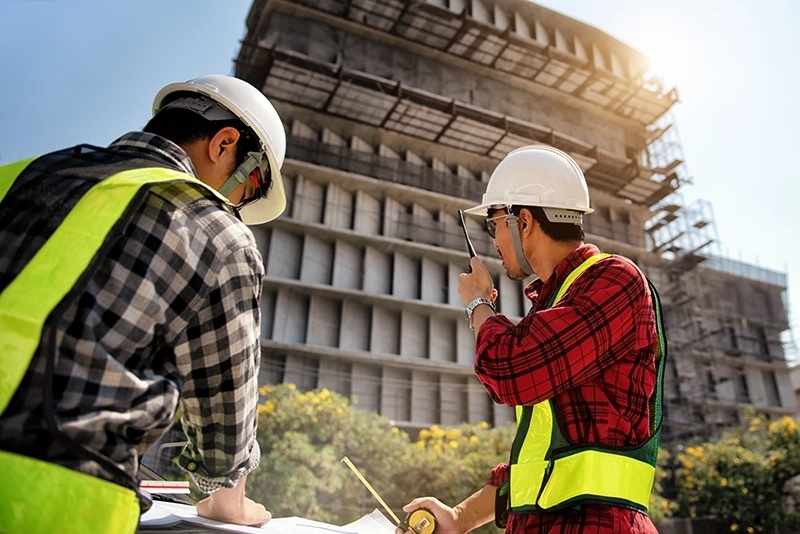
[583, 368]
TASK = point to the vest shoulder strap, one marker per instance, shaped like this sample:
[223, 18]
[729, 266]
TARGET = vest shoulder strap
[28, 300]
[588, 262]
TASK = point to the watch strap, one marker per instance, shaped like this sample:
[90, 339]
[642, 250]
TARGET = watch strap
[469, 310]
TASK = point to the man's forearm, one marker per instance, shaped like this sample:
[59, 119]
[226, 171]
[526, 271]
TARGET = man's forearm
[477, 509]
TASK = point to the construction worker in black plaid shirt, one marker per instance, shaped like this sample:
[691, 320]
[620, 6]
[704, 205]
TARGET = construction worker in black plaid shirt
[129, 290]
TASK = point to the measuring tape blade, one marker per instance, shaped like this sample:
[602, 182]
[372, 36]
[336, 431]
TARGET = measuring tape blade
[370, 488]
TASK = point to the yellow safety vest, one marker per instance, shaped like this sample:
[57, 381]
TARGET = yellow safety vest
[39, 497]
[549, 473]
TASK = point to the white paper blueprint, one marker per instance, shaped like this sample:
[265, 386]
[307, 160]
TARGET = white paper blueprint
[164, 514]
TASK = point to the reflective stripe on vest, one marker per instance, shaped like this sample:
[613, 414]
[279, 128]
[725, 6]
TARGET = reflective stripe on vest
[38, 497]
[542, 480]
[91, 504]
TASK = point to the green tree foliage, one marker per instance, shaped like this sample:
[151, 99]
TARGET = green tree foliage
[458, 460]
[303, 438]
[304, 435]
[660, 507]
[741, 479]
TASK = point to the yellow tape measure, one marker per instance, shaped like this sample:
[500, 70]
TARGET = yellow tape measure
[419, 521]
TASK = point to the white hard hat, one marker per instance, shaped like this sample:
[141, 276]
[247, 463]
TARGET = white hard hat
[538, 175]
[252, 107]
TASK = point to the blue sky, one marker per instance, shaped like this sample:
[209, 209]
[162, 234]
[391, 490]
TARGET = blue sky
[78, 71]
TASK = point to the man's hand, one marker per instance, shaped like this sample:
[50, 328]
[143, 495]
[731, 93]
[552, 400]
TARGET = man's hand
[477, 283]
[445, 516]
[229, 505]
[469, 514]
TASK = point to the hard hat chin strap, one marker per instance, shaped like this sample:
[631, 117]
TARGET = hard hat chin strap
[513, 227]
[241, 174]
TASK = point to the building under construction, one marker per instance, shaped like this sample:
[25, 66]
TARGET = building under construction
[397, 111]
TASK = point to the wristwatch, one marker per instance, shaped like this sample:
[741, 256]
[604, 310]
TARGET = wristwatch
[474, 304]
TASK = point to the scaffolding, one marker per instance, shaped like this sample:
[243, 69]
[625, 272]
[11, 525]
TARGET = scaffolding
[727, 354]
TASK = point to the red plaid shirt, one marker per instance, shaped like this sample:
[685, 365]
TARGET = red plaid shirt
[593, 354]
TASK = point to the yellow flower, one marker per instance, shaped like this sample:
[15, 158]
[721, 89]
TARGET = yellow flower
[267, 408]
[437, 432]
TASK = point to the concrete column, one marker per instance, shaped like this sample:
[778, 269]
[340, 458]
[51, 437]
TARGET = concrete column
[366, 387]
[323, 322]
[396, 394]
[348, 266]
[355, 326]
[414, 335]
[317, 266]
[442, 339]
[424, 397]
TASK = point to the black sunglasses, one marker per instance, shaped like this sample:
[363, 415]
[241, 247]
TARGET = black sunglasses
[491, 223]
[260, 175]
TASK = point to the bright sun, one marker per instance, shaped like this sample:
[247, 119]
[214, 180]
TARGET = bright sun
[665, 58]
[670, 59]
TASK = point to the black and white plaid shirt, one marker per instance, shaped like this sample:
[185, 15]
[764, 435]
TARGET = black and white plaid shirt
[169, 320]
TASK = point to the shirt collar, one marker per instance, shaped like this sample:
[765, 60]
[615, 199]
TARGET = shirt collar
[158, 146]
[538, 289]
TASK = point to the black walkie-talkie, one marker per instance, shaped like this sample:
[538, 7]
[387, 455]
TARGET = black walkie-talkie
[470, 248]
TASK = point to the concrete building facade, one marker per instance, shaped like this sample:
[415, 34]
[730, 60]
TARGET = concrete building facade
[396, 113]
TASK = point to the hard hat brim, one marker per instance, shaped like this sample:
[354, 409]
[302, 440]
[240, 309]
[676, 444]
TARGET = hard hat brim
[270, 207]
[482, 210]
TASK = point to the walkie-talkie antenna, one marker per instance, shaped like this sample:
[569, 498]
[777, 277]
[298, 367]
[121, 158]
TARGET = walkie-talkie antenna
[470, 248]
